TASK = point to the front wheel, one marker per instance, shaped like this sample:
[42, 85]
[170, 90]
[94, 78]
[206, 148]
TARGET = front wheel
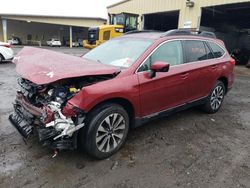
[216, 97]
[107, 130]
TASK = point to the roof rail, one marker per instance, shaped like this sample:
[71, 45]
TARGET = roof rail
[140, 31]
[207, 34]
[175, 32]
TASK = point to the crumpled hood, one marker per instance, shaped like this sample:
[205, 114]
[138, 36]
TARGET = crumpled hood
[42, 66]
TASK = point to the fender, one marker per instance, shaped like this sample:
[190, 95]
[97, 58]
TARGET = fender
[125, 88]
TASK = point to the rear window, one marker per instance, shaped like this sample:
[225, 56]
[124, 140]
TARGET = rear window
[195, 51]
[217, 50]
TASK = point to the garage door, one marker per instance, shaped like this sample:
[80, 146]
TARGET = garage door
[231, 23]
[162, 21]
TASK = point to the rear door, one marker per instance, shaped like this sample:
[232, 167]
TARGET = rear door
[200, 60]
[220, 63]
[167, 89]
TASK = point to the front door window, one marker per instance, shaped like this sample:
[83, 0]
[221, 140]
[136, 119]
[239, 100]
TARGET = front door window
[170, 52]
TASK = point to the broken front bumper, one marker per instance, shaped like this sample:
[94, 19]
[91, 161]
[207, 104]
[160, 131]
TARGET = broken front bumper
[24, 115]
[21, 125]
[27, 117]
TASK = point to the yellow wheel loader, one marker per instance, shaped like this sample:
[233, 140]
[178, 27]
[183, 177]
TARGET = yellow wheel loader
[119, 24]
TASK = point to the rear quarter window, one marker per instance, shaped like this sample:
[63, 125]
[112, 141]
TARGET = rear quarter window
[217, 50]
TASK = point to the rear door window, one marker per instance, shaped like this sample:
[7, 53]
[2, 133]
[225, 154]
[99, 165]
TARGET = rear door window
[195, 51]
[217, 50]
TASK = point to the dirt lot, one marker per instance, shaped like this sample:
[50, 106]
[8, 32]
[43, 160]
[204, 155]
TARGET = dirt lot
[188, 149]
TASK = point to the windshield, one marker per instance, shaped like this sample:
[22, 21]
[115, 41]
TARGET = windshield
[122, 52]
[119, 20]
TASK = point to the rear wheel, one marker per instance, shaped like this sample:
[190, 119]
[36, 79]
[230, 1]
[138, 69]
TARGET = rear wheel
[216, 97]
[107, 131]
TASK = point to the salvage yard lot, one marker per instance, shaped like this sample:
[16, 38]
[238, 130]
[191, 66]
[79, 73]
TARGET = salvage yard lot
[188, 149]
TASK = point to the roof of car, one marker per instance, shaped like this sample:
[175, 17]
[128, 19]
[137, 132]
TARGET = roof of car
[155, 35]
[147, 35]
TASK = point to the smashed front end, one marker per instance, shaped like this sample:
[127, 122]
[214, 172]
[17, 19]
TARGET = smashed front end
[48, 80]
[44, 108]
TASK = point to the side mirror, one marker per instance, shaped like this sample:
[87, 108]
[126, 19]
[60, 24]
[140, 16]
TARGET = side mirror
[158, 66]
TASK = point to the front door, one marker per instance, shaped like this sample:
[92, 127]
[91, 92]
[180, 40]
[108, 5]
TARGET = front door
[166, 89]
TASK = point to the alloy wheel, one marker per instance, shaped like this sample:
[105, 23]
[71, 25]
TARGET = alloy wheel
[110, 132]
[217, 97]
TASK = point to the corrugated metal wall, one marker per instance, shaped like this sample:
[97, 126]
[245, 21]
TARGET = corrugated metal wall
[147, 6]
[152, 6]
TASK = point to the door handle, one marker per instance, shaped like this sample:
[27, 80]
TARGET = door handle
[184, 75]
[214, 66]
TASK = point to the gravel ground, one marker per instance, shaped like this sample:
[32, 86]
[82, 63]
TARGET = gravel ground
[188, 149]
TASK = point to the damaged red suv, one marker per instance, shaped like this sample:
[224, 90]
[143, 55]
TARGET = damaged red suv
[93, 101]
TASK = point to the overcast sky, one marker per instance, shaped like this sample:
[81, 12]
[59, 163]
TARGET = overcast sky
[88, 8]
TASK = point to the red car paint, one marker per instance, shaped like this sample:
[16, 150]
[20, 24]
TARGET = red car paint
[160, 66]
[45, 66]
[182, 84]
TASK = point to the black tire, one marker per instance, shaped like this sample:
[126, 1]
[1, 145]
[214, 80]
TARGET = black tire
[215, 99]
[95, 123]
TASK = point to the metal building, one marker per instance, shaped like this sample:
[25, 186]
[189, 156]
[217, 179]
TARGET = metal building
[32, 29]
[229, 19]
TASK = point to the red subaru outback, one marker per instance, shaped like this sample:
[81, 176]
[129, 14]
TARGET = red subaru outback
[93, 101]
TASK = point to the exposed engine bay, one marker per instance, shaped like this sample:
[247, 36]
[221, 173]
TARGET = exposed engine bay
[44, 108]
